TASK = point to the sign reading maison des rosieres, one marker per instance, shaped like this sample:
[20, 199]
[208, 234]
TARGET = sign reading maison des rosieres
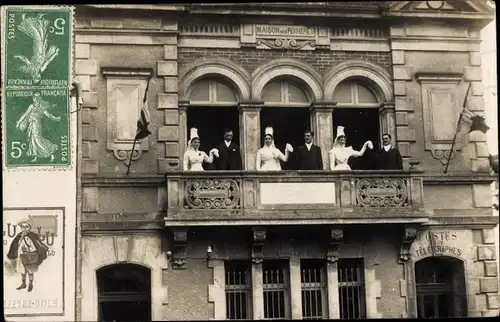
[285, 31]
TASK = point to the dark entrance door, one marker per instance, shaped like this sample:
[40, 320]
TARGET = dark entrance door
[440, 283]
[124, 293]
[361, 125]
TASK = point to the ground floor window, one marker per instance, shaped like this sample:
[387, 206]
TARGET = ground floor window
[314, 289]
[276, 286]
[124, 293]
[440, 283]
[351, 281]
[238, 290]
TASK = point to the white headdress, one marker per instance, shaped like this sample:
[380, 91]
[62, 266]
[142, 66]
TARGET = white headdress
[269, 131]
[192, 135]
[340, 132]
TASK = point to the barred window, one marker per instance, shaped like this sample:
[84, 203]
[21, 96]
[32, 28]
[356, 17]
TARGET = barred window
[313, 286]
[351, 288]
[276, 286]
[238, 290]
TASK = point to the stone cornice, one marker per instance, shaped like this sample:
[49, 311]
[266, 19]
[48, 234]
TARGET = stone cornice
[458, 179]
[123, 181]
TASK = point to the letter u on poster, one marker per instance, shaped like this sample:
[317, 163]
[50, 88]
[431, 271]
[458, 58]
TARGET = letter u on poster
[33, 246]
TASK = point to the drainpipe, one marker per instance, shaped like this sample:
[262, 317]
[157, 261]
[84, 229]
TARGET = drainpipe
[77, 91]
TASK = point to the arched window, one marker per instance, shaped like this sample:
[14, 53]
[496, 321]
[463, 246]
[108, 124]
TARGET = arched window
[213, 107]
[124, 293]
[357, 109]
[440, 283]
[286, 110]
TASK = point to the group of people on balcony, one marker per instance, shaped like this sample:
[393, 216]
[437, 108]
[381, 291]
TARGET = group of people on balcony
[227, 156]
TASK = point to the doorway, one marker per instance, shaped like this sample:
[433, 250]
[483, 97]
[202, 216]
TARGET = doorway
[124, 293]
[440, 283]
[289, 124]
[211, 123]
[360, 125]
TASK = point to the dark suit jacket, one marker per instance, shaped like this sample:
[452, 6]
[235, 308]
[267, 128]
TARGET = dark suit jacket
[229, 157]
[309, 159]
[390, 160]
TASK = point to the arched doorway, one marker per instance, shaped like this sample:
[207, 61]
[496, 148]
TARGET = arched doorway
[124, 293]
[440, 283]
[213, 107]
[357, 110]
[286, 110]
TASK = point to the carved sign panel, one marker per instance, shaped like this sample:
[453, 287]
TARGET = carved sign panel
[440, 242]
[212, 194]
[382, 192]
[285, 31]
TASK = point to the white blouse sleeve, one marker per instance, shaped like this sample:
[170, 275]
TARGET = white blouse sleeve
[331, 157]
[208, 159]
[185, 160]
[258, 160]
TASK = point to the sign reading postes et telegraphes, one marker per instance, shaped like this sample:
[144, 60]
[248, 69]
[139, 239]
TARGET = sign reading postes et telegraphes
[33, 261]
[443, 242]
[36, 77]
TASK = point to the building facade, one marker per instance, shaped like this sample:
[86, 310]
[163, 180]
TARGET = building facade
[165, 244]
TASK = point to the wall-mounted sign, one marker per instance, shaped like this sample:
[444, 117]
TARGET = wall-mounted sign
[285, 31]
[33, 245]
[454, 243]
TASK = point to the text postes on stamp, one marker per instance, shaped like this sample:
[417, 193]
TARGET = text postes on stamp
[37, 47]
[36, 128]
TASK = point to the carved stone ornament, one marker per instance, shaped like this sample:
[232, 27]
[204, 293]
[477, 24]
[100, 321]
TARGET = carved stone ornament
[212, 194]
[381, 192]
[179, 251]
[336, 236]
[259, 237]
[285, 43]
[126, 155]
[409, 236]
[442, 155]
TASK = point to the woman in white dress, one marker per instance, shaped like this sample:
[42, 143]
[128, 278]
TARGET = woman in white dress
[193, 158]
[268, 157]
[340, 154]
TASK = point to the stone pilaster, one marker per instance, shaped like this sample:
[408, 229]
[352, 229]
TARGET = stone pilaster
[85, 73]
[388, 124]
[403, 136]
[322, 125]
[168, 101]
[250, 132]
[295, 288]
[488, 283]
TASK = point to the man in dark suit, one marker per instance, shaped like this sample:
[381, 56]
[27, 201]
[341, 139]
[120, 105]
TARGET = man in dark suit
[308, 156]
[229, 156]
[389, 158]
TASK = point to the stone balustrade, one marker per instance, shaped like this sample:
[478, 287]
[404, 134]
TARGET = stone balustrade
[394, 196]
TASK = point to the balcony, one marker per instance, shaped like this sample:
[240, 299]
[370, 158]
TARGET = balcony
[215, 198]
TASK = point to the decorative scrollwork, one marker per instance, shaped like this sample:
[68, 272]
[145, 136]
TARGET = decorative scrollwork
[410, 234]
[212, 194]
[443, 155]
[259, 237]
[284, 43]
[179, 247]
[126, 155]
[336, 236]
[381, 192]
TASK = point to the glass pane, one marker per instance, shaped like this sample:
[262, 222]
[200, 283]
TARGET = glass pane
[296, 94]
[365, 95]
[342, 93]
[272, 92]
[125, 311]
[123, 278]
[200, 91]
[225, 93]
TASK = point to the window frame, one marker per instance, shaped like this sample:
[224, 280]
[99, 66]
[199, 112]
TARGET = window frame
[212, 94]
[284, 288]
[284, 82]
[343, 287]
[353, 85]
[321, 286]
[239, 288]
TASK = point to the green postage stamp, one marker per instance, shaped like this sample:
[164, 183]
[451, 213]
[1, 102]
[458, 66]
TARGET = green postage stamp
[37, 44]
